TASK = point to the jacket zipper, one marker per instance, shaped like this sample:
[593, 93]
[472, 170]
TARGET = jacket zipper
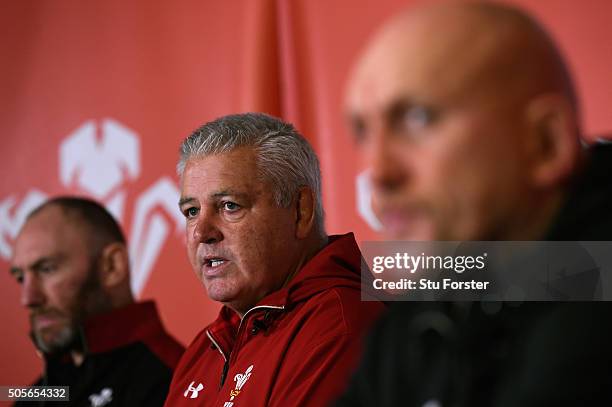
[225, 359]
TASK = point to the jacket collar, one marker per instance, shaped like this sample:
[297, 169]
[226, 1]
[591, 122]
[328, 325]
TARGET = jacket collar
[105, 332]
[124, 326]
[337, 264]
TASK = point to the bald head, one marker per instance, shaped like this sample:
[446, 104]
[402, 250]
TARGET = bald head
[99, 227]
[461, 49]
[468, 94]
[71, 262]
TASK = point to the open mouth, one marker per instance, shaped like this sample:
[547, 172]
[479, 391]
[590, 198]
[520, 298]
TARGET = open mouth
[214, 266]
[214, 262]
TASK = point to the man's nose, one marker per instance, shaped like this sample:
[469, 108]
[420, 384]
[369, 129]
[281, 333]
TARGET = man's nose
[206, 230]
[387, 172]
[32, 294]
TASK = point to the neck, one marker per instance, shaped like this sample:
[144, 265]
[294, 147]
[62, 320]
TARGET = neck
[315, 245]
[312, 246]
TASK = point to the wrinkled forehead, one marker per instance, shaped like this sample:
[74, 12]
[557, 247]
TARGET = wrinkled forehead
[48, 233]
[235, 170]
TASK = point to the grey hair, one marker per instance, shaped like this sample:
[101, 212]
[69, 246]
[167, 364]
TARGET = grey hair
[284, 156]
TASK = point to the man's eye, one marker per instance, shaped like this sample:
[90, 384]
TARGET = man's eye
[191, 212]
[418, 117]
[230, 206]
[46, 268]
[412, 119]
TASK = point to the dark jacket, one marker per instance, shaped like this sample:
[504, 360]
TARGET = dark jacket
[502, 355]
[129, 359]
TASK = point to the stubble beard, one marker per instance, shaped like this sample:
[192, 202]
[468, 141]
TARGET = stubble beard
[89, 300]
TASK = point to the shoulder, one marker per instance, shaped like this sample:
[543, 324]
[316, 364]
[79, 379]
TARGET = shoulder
[336, 312]
[138, 358]
[166, 348]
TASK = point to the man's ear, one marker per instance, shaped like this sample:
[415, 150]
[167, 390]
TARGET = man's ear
[553, 143]
[305, 212]
[114, 265]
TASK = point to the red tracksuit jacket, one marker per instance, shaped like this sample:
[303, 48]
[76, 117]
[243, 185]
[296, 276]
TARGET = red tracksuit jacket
[297, 347]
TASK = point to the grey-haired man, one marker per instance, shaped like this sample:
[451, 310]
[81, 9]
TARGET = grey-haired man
[290, 328]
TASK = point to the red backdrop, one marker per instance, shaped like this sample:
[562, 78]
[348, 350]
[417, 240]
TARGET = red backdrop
[96, 97]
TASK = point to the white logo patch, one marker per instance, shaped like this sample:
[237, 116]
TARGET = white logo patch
[193, 390]
[240, 379]
[100, 164]
[102, 399]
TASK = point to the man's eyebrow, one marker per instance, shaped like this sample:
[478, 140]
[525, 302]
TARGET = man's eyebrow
[398, 105]
[390, 109]
[228, 192]
[37, 264]
[214, 195]
[185, 200]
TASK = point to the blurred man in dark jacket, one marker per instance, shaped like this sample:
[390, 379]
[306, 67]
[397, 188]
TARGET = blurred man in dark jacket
[468, 119]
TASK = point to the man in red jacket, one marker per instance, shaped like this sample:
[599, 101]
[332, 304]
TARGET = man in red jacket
[290, 328]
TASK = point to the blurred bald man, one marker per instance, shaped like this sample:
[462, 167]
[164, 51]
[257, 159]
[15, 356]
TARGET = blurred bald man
[468, 119]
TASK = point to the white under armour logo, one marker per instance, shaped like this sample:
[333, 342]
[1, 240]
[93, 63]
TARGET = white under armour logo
[193, 390]
[102, 399]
